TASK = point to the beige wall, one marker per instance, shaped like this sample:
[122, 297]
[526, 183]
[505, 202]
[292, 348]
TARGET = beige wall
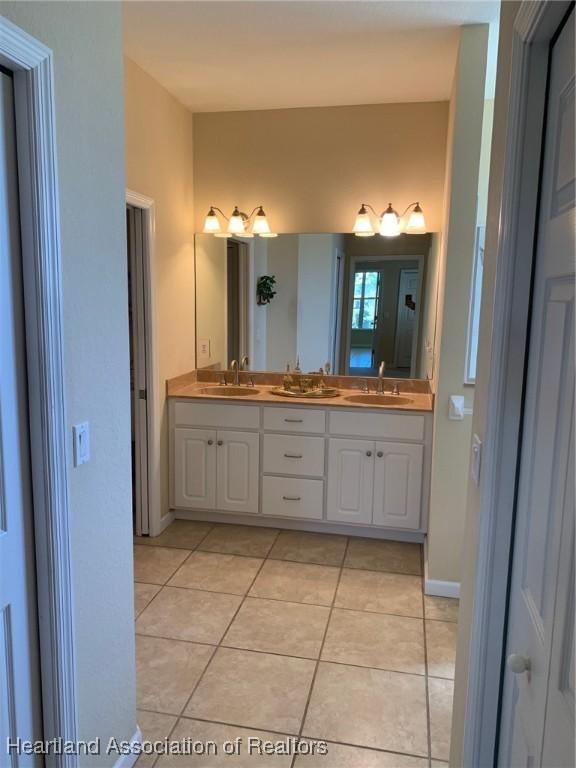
[159, 165]
[470, 543]
[311, 168]
[451, 446]
[86, 39]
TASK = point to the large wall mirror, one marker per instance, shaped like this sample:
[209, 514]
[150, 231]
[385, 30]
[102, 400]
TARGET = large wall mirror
[340, 300]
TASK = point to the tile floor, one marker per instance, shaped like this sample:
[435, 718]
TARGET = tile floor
[246, 632]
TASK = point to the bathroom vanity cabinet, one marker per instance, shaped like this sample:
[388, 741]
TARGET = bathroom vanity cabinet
[313, 467]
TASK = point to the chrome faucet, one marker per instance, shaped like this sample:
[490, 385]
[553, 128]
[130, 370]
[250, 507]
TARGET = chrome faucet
[245, 363]
[381, 370]
[235, 368]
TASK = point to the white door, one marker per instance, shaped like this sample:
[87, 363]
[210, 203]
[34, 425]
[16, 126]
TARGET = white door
[194, 468]
[405, 323]
[397, 485]
[350, 481]
[20, 713]
[537, 726]
[238, 472]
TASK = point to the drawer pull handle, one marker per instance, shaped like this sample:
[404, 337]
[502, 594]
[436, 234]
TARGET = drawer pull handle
[294, 421]
[292, 498]
[220, 442]
[380, 454]
[368, 453]
[210, 442]
[293, 456]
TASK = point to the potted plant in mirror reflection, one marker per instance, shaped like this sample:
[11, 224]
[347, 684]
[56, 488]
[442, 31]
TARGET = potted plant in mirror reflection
[265, 289]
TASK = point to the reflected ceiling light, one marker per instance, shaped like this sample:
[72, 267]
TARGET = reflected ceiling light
[389, 223]
[239, 223]
[363, 224]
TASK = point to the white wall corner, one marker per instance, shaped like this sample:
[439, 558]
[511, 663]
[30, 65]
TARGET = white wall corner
[437, 588]
[127, 761]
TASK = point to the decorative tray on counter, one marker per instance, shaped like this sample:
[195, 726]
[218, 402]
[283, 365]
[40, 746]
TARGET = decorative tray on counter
[311, 393]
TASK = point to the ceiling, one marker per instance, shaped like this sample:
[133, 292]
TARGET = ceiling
[266, 54]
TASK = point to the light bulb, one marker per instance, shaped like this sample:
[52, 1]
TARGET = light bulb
[261, 226]
[269, 234]
[416, 222]
[236, 223]
[390, 223]
[363, 225]
[211, 223]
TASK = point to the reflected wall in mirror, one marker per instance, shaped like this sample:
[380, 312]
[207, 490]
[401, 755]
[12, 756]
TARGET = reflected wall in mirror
[340, 300]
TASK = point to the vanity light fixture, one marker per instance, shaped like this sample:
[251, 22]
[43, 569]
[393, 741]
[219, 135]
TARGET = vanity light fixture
[239, 223]
[390, 224]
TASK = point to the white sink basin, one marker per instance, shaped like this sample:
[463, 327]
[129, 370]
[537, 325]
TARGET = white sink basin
[229, 391]
[375, 399]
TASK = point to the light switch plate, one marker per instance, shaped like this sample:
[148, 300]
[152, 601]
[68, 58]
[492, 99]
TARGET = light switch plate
[81, 437]
[204, 348]
[476, 459]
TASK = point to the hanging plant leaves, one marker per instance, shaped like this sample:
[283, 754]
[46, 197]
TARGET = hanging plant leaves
[265, 289]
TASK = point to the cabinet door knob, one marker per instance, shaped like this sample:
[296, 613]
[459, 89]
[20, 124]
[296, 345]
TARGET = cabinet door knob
[380, 454]
[518, 663]
[220, 442]
[210, 442]
[368, 453]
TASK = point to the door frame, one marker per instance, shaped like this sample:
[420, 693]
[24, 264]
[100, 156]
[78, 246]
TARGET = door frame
[32, 65]
[147, 206]
[416, 322]
[349, 299]
[534, 29]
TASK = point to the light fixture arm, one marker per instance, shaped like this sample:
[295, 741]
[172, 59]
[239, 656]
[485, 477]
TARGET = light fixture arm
[367, 205]
[220, 211]
[416, 203]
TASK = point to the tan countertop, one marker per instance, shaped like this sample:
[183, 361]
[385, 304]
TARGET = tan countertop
[188, 386]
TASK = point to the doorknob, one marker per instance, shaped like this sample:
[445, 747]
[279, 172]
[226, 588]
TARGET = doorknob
[518, 663]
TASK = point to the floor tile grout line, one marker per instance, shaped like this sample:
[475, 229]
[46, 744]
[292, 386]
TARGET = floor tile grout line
[427, 690]
[419, 675]
[343, 564]
[281, 733]
[218, 646]
[315, 674]
[296, 602]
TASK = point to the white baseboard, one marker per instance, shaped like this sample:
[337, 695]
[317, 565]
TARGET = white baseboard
[441, 588]
[434, 587]
[127, 761]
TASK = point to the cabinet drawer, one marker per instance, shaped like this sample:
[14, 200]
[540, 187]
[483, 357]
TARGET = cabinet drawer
[294, 420]
[292, 497]
[396, 426]
[294, 455]
[192, 414]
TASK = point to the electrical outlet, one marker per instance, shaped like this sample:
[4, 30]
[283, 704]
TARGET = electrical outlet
[81, 437]
[204, 348]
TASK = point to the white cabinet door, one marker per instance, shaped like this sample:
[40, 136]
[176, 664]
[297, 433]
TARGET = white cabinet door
[397, 485]
[194, 468]
[238, 463]
[350, 481]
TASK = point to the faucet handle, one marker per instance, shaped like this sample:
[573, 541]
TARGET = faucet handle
[395, 389]
[245, 363]
[365, 387]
